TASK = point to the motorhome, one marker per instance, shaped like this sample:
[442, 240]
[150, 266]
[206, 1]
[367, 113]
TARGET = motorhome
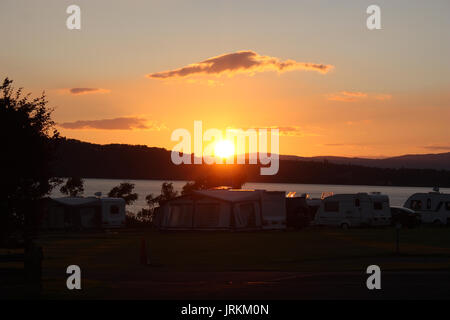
[433, 207]
[354, 210]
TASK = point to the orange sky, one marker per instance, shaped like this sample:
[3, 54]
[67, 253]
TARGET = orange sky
[331, 86]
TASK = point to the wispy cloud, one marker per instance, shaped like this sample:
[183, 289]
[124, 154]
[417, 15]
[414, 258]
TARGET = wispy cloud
[248, 62]
[355, 96]
[438, 148]
[334, 144]
[289, 131]
[358, 122]
[383, 97]
[294, 131]
[347, 96]
[122, 123]
[83, 91]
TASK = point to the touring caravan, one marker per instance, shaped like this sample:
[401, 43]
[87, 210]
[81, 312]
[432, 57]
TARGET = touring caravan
[354, 210]
[224, 209]
[433, 207]
[84, 213]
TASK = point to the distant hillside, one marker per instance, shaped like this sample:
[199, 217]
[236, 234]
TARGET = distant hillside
[119, 161]
[440, 161]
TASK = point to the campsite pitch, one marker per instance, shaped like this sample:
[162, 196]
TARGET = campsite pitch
[310, 264]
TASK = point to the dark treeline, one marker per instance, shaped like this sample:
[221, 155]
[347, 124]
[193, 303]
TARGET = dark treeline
[117, 161]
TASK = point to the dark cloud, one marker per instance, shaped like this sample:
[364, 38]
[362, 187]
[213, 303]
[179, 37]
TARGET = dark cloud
[123, 123]
[79, 91]
[240, 62]
[292, 131]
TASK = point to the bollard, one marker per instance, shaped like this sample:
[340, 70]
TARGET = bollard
[33, 266]
[397, 238]
[148, 251]
[145, 255]
[143, 252]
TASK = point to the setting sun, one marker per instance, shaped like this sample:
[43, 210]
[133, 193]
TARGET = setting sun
[224, 149]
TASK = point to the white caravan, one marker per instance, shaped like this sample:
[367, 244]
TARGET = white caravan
[85, 213]
[354, 210]
[433, 207]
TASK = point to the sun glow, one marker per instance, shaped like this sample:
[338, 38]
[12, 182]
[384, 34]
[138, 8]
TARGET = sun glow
[224, 149]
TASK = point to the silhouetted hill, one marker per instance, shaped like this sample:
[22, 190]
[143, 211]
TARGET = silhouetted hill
[120, 161]
[440, 161]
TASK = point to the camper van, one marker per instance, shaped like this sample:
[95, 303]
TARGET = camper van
[354, 210]
[433, 207]
[84, 213]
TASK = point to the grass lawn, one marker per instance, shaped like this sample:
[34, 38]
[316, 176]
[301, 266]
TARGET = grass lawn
[108, 257]
[309, 250]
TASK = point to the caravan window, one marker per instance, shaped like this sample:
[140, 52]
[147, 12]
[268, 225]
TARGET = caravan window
[447, 206]
[357, 203]
[416, 205]
[207, 215]
[378, 205]
[114, 209]
[428, 204]
[331, 206]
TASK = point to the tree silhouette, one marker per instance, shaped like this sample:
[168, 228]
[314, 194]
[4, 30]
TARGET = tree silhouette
[28, 147]
[230, 177]
[167, 193]
[124, 191]
[74, 187]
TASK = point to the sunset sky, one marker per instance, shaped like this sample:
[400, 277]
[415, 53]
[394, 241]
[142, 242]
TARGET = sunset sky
[137, 70]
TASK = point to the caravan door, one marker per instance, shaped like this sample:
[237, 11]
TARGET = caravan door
[365, 211]
[331, 212]
[381, 211]
[354, 211]
[113, 213]
[439, 216]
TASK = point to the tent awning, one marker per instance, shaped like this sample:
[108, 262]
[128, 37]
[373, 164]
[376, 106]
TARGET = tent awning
[231, 195]
[75, 201]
